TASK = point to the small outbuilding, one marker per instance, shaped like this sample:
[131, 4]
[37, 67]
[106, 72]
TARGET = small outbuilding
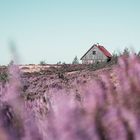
[96, 53]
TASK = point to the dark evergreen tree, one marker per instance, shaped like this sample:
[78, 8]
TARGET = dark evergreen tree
[75, 60]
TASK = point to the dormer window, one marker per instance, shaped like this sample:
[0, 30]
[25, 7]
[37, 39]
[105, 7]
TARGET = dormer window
[94, 52]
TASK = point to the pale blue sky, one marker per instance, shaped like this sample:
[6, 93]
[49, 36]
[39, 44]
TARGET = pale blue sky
[58, 30]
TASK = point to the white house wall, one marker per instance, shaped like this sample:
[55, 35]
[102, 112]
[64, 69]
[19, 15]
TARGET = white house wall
[90, 58]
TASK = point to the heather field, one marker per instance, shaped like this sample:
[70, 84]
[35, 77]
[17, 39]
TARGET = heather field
[64, 104]
[69, 70]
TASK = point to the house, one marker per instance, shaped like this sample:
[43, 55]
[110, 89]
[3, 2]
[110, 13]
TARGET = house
[96, 53]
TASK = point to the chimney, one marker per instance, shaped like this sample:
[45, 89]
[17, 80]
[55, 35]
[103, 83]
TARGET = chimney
[97, 44]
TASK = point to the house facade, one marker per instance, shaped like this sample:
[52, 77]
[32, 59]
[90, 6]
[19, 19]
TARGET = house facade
[96, 53]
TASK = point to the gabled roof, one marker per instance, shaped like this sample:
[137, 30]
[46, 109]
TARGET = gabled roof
[106, 53]
[101, 48]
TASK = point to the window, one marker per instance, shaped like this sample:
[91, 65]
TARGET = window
[94, 52]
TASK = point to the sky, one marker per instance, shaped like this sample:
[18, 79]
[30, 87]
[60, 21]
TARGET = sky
[59, 30]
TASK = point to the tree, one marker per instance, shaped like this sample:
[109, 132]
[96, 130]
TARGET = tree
[126, 52]
[59, 63]
[139, 53]
[75, 60]
[11, 63]
[42, 62]
[114, 57]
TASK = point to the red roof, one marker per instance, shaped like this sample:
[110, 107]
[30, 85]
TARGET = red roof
[106, 53]
[101, 48]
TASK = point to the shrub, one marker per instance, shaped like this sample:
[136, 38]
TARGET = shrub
[3, 77]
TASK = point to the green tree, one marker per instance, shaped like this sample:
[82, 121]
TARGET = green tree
[58, 63]
[75, 60]
[126, 52]
[11, 63]
[139, 53]
[42, 62]
[114, 58]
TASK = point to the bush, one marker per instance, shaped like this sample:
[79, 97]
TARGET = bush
[3, 77]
